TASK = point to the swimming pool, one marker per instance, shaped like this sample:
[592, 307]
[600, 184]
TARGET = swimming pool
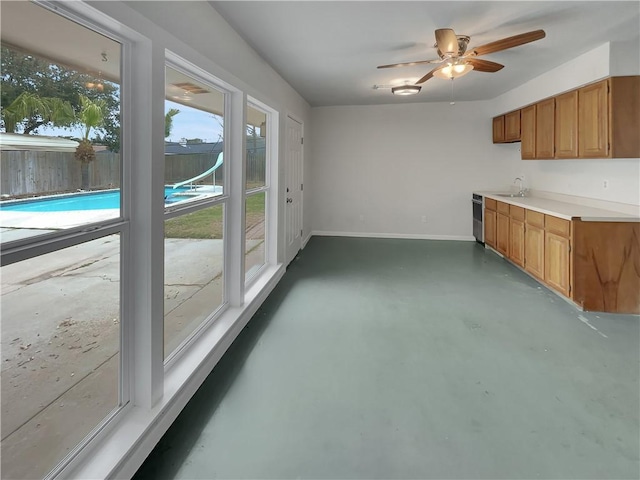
[85, 201]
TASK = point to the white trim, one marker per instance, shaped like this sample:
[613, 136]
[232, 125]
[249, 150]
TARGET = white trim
[306, 239]
[126, 447]
[416, 236]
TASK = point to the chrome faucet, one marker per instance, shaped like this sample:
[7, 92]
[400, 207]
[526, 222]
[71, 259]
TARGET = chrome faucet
[521, 191]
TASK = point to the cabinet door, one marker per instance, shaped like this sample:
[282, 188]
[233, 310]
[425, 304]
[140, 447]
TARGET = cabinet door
[516, 241]
[545, 128]
[566, 125]
[490, 228]
[556, 262]
[528, 132]
[502, 234]
[534, 251]
[512, 126]
[593, 121]
[498, 129]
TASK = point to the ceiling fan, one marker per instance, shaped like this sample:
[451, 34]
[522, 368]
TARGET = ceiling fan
[457, 60]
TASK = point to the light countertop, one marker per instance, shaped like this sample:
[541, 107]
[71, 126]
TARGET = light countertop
[568, 211]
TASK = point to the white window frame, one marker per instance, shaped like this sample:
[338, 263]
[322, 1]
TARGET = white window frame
[271, 154]
[187, 68]
[32, 247]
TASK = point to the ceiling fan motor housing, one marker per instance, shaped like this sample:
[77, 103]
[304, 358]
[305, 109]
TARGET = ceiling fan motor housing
[463, 43]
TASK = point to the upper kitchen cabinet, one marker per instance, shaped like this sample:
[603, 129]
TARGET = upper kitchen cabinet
[624, 117]
[545, 129]
[506, 128]
[593, 120]
[599, 120]
[566, 125]
[498, 129]
[608, 118]
[528, 132]
[512, 126]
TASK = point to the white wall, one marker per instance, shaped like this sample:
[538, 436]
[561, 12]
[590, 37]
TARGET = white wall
[582, 178]
[378, 169]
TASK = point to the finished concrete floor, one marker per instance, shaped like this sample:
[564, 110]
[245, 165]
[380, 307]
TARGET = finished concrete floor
[413, 359]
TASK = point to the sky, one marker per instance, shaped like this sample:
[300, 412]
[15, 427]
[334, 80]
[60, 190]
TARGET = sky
[189, 123]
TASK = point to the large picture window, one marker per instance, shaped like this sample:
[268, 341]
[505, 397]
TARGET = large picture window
[195, 198]
[60, 171]
[256, 190]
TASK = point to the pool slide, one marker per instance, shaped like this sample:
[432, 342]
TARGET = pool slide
[202, 175]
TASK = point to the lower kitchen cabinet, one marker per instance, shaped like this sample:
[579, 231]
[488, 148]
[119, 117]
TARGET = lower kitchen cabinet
[556, 262]
[534, 244]
[606, 263]
[595, 264]
[490, 228]
[516, 234]
[502, 234]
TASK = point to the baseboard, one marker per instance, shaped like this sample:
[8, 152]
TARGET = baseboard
[306, 239]
[410, 236]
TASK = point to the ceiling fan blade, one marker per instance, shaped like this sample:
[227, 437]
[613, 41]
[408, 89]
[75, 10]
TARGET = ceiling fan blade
[410, 64]
[447, 42]
[481, 65]
[508, 42]
[427, 76]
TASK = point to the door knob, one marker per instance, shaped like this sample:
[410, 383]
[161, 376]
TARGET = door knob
[289, 200]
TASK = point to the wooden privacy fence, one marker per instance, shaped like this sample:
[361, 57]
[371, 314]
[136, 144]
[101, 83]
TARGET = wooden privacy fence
[37, 173]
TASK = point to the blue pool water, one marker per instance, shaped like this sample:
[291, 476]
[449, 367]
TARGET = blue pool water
[82, 201]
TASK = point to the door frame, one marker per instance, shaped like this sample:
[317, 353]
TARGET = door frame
[292, 117]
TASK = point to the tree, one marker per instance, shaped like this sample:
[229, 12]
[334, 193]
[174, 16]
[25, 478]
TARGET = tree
[23, 72]
[32, 111]
[168, 121]
[91, 115]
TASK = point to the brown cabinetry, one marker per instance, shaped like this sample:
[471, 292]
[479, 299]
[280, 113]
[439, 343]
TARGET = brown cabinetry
[498, 129]
[534, 244]
[593, 263]
[502, 228]
[566, 125]
[516, 234]
[512, 126]
[545, 129]
[490, 227]
[599, 120]
[593, 121]
[528, 132]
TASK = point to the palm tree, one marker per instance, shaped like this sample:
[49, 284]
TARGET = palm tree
[38, 110]
[91, 115]
[168, 121]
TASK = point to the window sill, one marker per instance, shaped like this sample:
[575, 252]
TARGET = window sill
[138, 430]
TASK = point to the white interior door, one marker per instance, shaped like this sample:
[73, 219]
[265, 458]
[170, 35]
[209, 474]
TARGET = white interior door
[293, 189]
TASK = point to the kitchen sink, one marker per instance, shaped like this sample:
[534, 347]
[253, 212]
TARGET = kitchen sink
[510, 195]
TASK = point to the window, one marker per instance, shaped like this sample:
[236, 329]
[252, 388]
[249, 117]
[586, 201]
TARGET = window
[256, 190]
[60, 164]
[60, 170]
[195, 200]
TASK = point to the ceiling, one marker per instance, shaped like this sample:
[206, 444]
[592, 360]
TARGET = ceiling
[328, 50]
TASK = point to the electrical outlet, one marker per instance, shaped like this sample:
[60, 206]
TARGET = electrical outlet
[605, 184]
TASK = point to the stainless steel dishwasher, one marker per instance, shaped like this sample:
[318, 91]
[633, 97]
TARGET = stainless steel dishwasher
[478, 211]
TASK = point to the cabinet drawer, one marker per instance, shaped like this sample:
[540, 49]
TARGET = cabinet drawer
[503, 208]
[535, 218]
[517, 213]
[557, 225]
[490, 204]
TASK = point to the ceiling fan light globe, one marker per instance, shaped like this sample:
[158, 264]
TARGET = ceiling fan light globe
[453, 71]
[406, 89]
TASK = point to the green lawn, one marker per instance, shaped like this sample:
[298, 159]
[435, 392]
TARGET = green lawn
[207, 223]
